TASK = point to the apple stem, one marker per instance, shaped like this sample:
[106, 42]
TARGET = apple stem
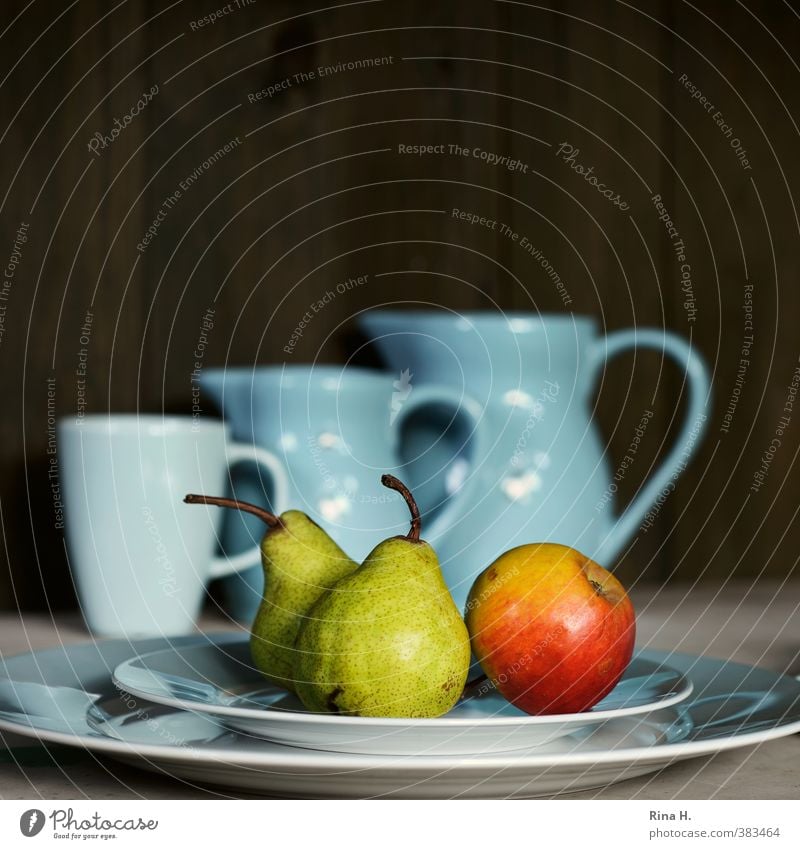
[394, 483]
[270, 519]
[598, 588]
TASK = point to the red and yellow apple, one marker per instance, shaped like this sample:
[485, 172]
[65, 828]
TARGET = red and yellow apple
[552, 629]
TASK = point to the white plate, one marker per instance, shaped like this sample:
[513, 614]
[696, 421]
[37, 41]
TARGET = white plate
[732, 706]
[221, 681]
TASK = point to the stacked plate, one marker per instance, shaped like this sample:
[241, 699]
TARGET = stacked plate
[196, 709]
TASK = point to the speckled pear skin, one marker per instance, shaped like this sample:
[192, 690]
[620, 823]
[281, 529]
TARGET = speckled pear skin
[301, 562]
[387, 641]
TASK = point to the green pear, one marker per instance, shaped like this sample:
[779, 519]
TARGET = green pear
[301, 562]
[387, 640]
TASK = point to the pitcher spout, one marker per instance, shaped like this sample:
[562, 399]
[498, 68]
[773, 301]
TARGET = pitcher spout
[228, 388]
[489, 355]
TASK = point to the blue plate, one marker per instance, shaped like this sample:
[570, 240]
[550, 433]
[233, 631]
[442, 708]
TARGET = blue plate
[733, 705]
[220, 681]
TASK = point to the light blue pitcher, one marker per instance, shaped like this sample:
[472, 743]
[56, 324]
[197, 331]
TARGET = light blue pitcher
[540, 470]
[335, 430]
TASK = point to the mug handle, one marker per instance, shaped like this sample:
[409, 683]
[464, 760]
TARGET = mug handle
[692, 430]
[238, 452]
[462, 405]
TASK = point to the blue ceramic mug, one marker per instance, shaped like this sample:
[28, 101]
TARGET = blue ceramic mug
[336, 431]
[539, 470]
[140, 557]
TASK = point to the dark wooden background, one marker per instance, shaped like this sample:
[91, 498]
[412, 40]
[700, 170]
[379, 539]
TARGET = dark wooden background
[313, 196]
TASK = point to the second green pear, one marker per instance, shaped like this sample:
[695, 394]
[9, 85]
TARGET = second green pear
[388, 639]
[301, 562]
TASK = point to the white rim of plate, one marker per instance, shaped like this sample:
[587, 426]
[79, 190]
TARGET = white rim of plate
[289, 756]
[588, 717]
[403, 763]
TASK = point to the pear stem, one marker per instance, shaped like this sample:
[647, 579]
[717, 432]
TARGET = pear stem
[392, 482]
[269, 518]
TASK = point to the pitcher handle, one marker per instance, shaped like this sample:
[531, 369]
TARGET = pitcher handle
[457, 504]
[692, 430]
[238, 452]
